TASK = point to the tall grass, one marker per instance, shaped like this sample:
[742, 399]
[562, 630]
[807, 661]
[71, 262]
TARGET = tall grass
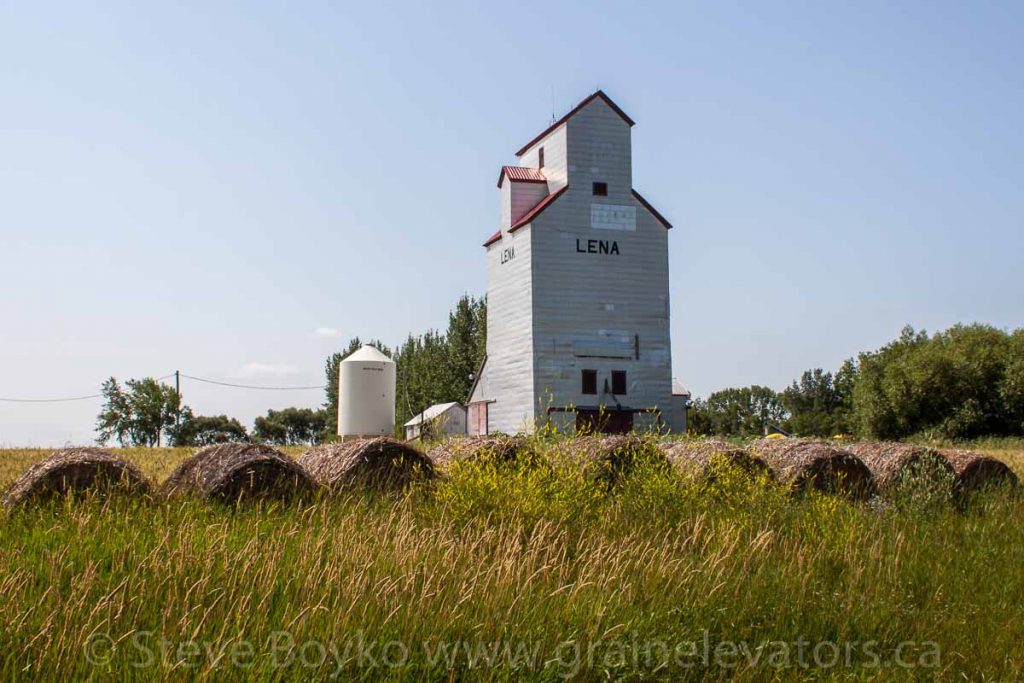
[505, 572]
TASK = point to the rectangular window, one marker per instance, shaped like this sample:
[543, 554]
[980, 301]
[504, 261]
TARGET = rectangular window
[540, 158]
[600, 189]
[589, 381]
[619, 382]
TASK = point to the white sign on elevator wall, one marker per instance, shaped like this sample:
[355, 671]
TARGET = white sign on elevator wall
[612, 217]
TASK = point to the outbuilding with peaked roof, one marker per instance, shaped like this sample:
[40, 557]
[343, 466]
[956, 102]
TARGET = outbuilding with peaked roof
[442, 419]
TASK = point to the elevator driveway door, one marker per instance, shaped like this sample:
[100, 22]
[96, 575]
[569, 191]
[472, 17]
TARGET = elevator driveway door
[606, 422]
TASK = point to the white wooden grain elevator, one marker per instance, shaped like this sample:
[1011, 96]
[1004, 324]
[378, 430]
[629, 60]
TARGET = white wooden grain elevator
[577, 287]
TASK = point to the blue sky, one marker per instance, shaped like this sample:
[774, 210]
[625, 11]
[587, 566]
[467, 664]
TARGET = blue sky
[236, 189]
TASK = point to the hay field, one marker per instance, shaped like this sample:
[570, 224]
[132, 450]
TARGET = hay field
[503, 572]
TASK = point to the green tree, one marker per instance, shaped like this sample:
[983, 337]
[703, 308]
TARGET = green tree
[953, 384]
[819, 403]
[138, 414]
[845, 379]
[977, 358]
[466, 342]
[1011, 388]
[291, 426]
[742, 411]
[204, 430]
[424, 377]
[115, 419]
[698, 417]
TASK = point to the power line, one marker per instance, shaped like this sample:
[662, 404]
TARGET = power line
[251, 386]
[160, 379]
[50, 400]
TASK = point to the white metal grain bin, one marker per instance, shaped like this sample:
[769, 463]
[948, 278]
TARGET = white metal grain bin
[366, 394]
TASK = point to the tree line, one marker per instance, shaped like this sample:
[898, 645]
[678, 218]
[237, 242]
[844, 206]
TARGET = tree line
[145, 412]
[961, 383]
[431, 368]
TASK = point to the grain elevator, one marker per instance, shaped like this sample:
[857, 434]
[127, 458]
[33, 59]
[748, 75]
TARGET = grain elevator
[577, 287]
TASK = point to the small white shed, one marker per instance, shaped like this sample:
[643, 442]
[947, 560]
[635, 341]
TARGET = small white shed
[680, 402]
[437, 420]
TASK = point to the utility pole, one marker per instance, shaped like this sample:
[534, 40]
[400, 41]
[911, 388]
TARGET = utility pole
[177, 391]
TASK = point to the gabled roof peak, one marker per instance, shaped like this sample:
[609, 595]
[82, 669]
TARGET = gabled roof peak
[597, 95]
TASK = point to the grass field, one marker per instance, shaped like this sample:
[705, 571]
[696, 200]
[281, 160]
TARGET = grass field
[512, 574]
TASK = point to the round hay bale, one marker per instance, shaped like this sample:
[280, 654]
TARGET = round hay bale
[805, 465]
[610, 459]
[380, 462]
[976, 471]
[74, 470]
[701, 458]
[234, 471]
[895, 464]
[497, 449]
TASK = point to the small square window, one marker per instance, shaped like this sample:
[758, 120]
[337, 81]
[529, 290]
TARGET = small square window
[540, 158]
[600, 189]
[619, 382]
[589, 381]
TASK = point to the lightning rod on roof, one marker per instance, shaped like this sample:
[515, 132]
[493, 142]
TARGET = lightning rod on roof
[553, 119]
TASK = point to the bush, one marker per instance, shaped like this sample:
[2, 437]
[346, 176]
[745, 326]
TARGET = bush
[963, 383]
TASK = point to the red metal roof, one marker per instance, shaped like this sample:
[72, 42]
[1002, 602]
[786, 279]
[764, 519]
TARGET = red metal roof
[521, 174]
[556, 124]
[536, 211]
[528, 216]
[550, 199]
[654, 212]
[493, 238]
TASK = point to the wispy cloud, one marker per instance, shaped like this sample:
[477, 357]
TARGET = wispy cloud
[268, 370]
[327, 332]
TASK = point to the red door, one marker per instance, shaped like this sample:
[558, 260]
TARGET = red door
[604, 422]
[477, 418]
